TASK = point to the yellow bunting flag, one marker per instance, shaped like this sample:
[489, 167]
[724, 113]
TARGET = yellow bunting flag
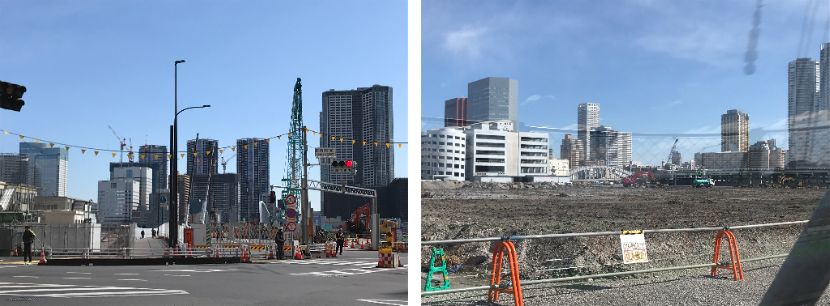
[255, 144]
[141, 155]
[400, 145]
[113, 154]
[96, 152]
[289, 135]
[195, 154]
[267, 140]
[244, 147]
[388, 145]
[207, 153]
[363, 142]
[375, 143]
[341, 139]
[182, 155]
[278, 136]
[83, 151]
[221, 150]
[21, 137]
[233, 149]
[66, 147]
[333, 138]
[353, 141]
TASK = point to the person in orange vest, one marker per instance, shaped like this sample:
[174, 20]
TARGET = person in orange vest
[340, 239]
[28, 238]
[280, 240]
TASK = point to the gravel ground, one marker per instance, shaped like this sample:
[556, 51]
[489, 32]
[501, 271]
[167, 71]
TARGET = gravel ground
[692, 287]
[467, 210]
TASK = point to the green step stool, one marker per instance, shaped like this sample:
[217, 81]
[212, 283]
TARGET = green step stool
[437, 254]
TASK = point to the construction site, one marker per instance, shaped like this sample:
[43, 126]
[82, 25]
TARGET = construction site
[458, 211]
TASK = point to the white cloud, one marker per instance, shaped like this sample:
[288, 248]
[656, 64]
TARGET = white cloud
[532, 99]
[466, 42]
[697, 42]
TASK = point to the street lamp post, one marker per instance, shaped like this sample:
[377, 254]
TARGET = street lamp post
[173, 223]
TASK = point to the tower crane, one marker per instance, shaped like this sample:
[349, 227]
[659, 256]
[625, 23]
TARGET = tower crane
[225, 162]
[669, 160]
[121, 141]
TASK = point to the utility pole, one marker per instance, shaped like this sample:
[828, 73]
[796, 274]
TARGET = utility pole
[307, 218]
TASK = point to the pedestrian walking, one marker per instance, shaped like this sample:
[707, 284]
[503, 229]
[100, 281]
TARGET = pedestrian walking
[153, 232]
[280, 240]
[142, 234]
[341, 239]
[28, 237]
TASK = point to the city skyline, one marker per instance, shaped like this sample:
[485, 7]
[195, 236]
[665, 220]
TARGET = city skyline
[123, 76]
[561, 60]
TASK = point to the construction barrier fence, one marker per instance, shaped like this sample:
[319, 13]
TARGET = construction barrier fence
[551, 258]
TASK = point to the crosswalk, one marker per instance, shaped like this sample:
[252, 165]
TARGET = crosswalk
[333, 262]
[77, 291]
[348, 272]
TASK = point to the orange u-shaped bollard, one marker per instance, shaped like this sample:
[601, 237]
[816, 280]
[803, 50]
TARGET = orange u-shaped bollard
[495, 278]
[734, 255]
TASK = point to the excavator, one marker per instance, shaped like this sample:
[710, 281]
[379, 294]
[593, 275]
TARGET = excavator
[362, 213]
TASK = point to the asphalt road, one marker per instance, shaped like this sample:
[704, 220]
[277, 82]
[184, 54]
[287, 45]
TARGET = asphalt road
[351, 279]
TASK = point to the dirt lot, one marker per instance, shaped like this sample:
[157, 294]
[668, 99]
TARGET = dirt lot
[468, 210]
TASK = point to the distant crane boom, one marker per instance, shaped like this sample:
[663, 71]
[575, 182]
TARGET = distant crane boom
[122, 142]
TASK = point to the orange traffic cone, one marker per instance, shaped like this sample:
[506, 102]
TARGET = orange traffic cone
[352, 243]
[14, 252]
[361, 244]
[42, 257]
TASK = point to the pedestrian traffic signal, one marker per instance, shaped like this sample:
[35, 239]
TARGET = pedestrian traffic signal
[11, 96]
[272, 198]
[343, 165]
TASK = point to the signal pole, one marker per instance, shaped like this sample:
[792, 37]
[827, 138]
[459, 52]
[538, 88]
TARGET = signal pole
[308, 223]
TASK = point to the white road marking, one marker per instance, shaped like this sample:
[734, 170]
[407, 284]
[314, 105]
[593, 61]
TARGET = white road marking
[77, 278]
[384, 302]
[176, 274]
[73, 291]
[347, 272]
[125, 274]
[85, 273]
[198, 271]
[132, 279]
[26, 276]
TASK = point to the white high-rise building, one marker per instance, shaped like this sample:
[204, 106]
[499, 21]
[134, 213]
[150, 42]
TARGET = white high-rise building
[803, 101]
[117, 200]
[443, 153]
[144, 177]
[587, 119]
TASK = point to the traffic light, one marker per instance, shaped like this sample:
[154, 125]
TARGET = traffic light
[272, 197]
[281, 204]
[343, 165]
[11, 96]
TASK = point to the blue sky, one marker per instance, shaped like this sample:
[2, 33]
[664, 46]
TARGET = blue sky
[655, 66]
[90, 64]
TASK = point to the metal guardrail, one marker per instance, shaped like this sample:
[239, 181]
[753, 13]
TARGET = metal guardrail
[604, 233]
[137, 253]
[602, 275]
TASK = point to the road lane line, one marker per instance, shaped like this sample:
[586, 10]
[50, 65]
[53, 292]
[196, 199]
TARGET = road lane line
[118, 293]
[125, 274]
[77, 278]
[26, 276]
[85, 273]
[132, 279]
[384, 302]
[8, 292]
